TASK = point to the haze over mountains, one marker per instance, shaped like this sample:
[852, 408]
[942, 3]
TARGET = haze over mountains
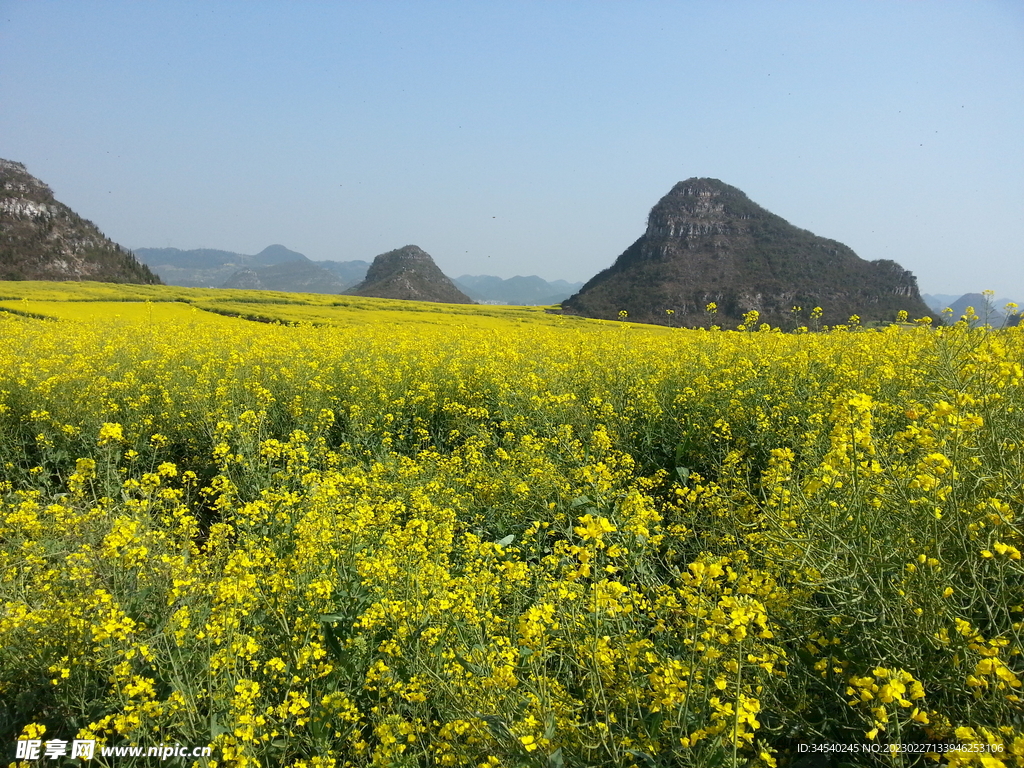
[987, 309]
[274, 268]
[277, 268]
[529, 291]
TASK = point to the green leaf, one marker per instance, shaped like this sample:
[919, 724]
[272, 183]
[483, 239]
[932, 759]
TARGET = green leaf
[680, 450]
[216, 729]
[648, 760]
[549, 727]
[333, 644]
[654, 722]
[497, 726]
[469, 666]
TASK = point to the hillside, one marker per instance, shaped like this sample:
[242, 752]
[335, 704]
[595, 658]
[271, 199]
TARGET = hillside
[43, 239]
[707, 242]
[409, 273]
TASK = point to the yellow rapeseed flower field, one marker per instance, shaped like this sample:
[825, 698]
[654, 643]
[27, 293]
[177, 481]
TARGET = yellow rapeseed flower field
[372, 533]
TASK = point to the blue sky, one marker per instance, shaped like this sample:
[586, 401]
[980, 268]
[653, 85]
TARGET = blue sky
[526, 137]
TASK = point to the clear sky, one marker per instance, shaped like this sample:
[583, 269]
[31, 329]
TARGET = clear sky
[526, 137]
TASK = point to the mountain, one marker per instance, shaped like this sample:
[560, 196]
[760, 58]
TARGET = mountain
[43, 239]
[292, 276]
[409, 273]
[529, 291]
[995, 309]
[990, 311]
[207, 258]
[708, 242]
[201, 258]
[207, 267]
[276, 254]
[275, 268]
[348, 272]
[937, 302]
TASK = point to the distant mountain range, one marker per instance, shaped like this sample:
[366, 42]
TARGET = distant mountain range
[992, 310]
[276, 268]
[43, 239]
[527, 291]
[290, 276]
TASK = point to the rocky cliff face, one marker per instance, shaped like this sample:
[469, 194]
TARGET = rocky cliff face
[43, 239]
[707, 242]
[409, 273]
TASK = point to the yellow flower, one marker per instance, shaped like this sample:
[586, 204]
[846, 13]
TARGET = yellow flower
[110, 433]
[593, 528]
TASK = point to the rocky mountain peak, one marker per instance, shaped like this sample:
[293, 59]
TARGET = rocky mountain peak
[707, 242]
[408, 257]
[409, 273]
[43, 239]
[17, 183]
